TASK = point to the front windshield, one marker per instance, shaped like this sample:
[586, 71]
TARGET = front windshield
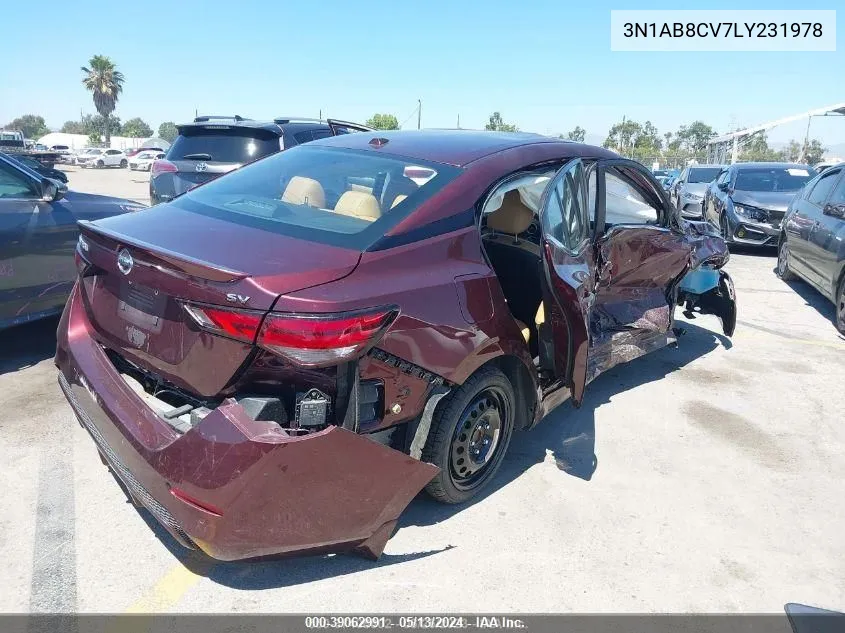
[342, 197]
[703, 174]
[768, 179]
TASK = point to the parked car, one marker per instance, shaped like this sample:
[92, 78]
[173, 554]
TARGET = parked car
[212, 145]
[143, 161]
[688, 189]
[38, 234]
[812, 238]
[137, 150]
[281, 359]
[64, 152]
[659, 173]
[747, 201]
[820, 167]
[99, 157]
[36, 166]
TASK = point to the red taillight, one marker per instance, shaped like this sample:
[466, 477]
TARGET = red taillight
[314, 340]
[162, 166]
[311, 340]
[235, 324]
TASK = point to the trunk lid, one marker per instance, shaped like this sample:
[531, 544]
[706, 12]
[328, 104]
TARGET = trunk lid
[144, 265]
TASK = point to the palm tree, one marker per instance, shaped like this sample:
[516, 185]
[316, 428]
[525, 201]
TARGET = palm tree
[106, 83]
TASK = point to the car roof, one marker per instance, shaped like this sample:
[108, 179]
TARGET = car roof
[277, 126]
[452, 147]
[764, 165]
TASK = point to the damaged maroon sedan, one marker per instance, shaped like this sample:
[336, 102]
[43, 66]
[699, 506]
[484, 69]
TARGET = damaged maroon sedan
[281, 359]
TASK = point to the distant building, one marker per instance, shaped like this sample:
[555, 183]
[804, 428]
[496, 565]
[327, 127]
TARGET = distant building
[78, 141]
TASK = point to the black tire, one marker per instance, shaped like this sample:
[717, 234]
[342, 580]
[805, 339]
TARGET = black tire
[464, 410]
[123, 163]
[100, 164]
[839, 312]
[783, 270]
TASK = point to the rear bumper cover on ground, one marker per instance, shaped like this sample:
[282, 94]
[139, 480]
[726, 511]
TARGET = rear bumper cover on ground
[260, 491]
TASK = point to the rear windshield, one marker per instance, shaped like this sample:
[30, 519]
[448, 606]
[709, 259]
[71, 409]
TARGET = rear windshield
[703, 174]
[777, 179]
[342, 197]
[225, 145]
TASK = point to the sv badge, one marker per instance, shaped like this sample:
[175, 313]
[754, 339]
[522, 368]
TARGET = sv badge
[235, 298]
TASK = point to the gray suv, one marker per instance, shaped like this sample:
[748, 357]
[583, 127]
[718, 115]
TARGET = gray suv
[210, 146]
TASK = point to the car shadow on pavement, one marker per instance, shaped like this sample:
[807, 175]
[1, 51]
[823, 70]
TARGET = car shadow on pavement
[277, 572]
[813, 298]
[568, 435]
[28, 344]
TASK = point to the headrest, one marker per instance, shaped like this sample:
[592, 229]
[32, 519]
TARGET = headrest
[301, 190]
[359, 204]
[513, 217]
[397, 200]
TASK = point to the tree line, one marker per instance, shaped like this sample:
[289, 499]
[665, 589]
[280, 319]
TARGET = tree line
[629, 138]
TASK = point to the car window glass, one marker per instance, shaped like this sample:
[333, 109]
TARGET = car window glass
[342, 197]
[624, 204]
[724, 178]
[317, 134]
[226, 145]
[303, 137]
[14, 184]
[823, 187]
[838, 195]
[702, 174]
[565, 214]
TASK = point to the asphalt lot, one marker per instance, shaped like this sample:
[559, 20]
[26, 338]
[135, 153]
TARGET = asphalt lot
[703, 478]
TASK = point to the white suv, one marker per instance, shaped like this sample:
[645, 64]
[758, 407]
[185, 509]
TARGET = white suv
[97, 157]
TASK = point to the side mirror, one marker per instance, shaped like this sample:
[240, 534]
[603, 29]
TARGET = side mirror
[52, 190]
[834, 210]
[723, 186]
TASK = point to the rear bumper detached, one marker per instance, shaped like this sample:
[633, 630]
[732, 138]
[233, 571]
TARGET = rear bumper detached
[233, 487]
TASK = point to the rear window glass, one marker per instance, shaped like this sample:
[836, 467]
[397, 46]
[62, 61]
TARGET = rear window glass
[342, 197]
[229, 145]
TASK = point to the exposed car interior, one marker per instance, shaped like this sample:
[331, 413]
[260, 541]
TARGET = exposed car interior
[511, 235]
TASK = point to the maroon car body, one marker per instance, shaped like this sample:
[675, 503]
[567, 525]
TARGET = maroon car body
[197, 345]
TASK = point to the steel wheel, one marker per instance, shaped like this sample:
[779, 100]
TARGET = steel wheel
[840, 308]
[470, 434]
[476, 440]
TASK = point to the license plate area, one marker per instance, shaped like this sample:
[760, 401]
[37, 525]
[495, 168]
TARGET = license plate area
[142, 306]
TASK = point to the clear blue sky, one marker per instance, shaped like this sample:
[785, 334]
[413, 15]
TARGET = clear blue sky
[545, 65]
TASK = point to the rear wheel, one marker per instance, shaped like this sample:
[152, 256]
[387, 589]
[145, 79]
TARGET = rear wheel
[783, 262]
[469, 437]
[839, 316]
[123, 163]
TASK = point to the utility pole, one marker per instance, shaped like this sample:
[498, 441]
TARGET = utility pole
[419, 113]
[459, 121]
[321, 114]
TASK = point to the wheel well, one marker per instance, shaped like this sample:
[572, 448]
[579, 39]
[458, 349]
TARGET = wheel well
[523, 386]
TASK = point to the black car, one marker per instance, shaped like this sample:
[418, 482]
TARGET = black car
[812, 238]
[37, 167]
[214, 145]
[747, 201]
[38, 236]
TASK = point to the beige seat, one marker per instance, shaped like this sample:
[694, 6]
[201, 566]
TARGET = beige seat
[513, 217]
[539, 319]
[359, 205]
[307, 191]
